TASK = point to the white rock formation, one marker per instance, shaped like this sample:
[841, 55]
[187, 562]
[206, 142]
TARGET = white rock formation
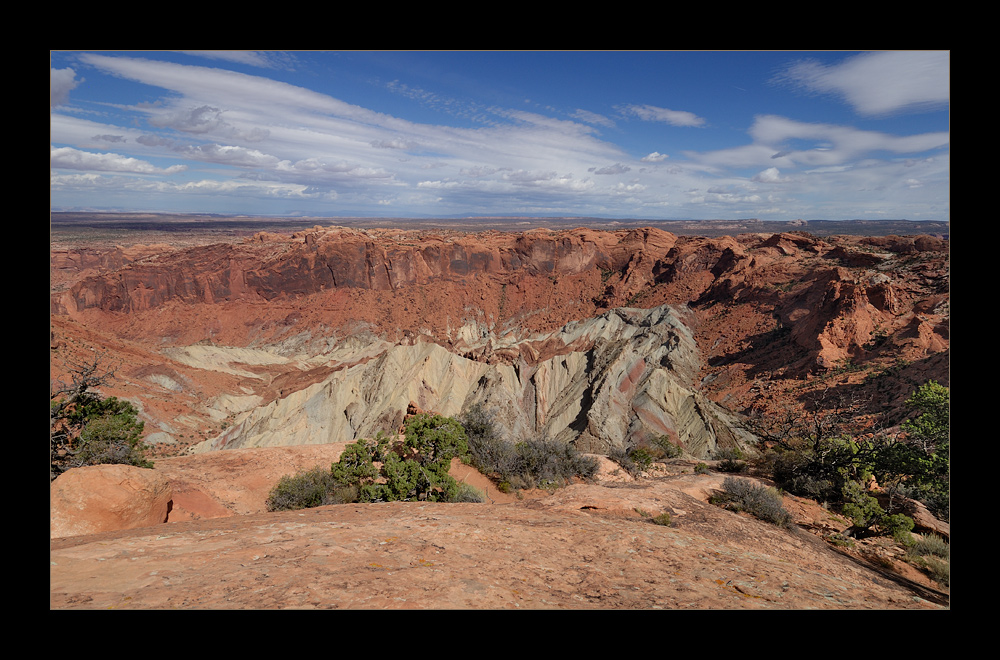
[609, 381]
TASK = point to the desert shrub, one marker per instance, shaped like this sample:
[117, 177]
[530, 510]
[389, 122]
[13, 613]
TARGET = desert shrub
[620, 456]
[868, 517]
[933, 554]
[861, 509]
[532, 463]
[111, 434]
[731, 459]
[662, 519]
[898, 526]
[817, 469]
[545, 462]
[641, 457]
[930, 544]
[381, 470]
[633, 460]
[489, 451]
[701, 468]
[759, 501]
[664, 448]
[468, 493]
[938, 570]
[315, 487]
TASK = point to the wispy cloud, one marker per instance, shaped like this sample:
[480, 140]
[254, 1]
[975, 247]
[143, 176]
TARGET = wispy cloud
[665, 115]
[880, 83]
[261, 137]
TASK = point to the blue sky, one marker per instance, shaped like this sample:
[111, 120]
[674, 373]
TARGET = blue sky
[775, 135]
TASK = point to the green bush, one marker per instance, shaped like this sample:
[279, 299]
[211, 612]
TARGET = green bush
[665, 448]
[114, 437]
[898, 526]
[860, 508]
[759, 501]
[315, 487]
[435, 438]
[814, 469]
[380, 470]
[701, 468]
[88, 429]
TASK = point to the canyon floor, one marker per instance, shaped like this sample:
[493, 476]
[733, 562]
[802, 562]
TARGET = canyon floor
[211, 326]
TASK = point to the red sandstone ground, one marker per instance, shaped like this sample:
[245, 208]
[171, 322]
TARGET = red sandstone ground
[587, 546]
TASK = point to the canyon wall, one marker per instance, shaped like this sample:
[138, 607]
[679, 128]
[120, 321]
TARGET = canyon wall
[599, 338]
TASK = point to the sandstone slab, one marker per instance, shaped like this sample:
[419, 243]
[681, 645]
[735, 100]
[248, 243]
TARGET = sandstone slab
[98, 498]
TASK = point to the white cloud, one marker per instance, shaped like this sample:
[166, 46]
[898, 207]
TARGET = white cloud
[74, 159]
[61, 83]
[783, 142]
[770, 175]
[593, 118]
[617, 168]
[280, 141]
[879, 83]
[672, 117]
[263, 59]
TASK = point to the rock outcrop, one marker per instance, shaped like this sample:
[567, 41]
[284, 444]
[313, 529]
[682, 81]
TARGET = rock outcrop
[99, 498]
[625, 376]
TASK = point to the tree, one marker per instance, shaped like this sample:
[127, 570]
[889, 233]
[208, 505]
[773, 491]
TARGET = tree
[917, 462]
[88, 429]
[415, 469]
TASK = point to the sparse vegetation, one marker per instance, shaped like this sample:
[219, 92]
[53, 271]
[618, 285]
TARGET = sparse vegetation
[381, 470]
[533, 463]
[86, 428]
[933, 554]
[641, 457]
[731, 459]
[662, 519]
[827, 459]
[759, 501]
[311, 488]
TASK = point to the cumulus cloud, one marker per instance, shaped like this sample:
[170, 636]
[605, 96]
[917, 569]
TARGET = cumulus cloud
[879, 83]
[74, 159]
[770, 175]
[665, 115]
[654, 157]
[617, 168]
[61, 83]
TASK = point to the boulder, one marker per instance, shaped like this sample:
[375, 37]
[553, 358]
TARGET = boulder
[101, 498]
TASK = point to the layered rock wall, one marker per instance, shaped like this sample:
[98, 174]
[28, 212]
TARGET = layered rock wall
[620, 378]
